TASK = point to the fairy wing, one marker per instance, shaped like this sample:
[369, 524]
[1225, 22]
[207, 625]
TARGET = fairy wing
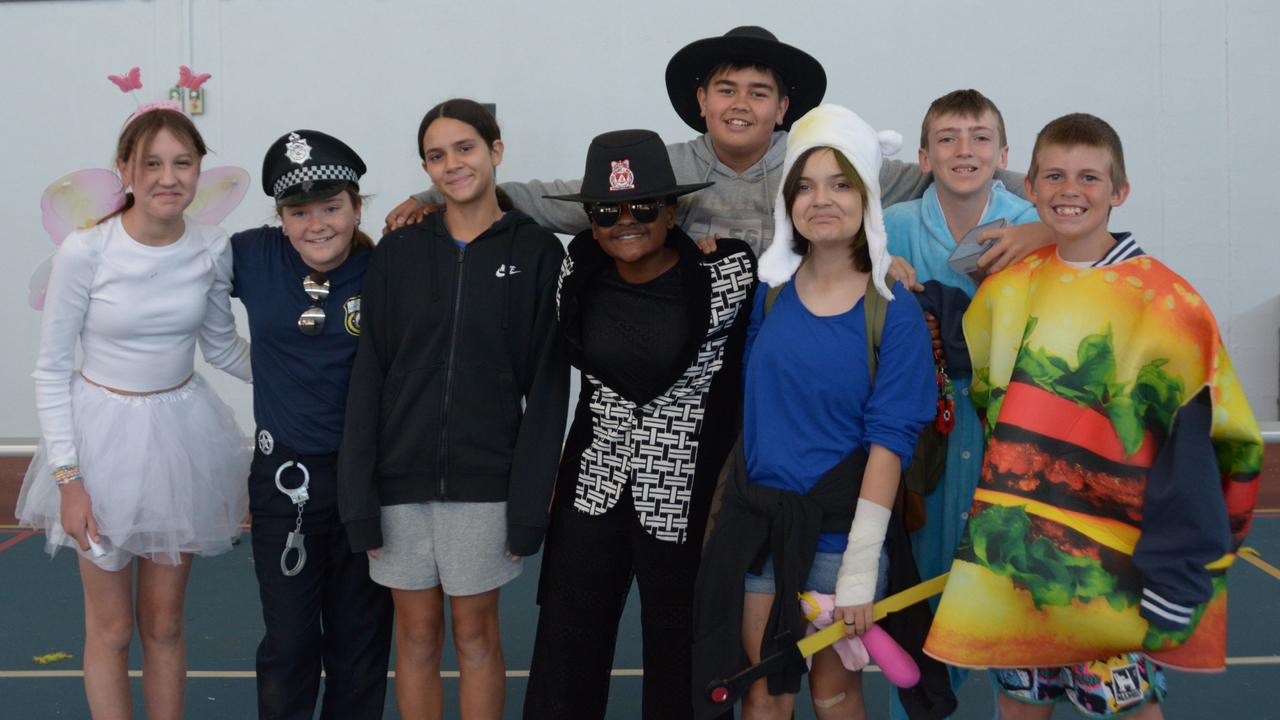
[218, 192]
[39, 284]
[78, 200]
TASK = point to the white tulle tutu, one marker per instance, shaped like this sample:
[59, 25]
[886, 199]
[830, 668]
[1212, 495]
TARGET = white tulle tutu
[166, 473]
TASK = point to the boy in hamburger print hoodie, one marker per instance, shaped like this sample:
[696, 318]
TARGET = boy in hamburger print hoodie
[1122, 460]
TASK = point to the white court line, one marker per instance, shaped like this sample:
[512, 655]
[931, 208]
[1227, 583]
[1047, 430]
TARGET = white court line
[617, 672]
[242, 674]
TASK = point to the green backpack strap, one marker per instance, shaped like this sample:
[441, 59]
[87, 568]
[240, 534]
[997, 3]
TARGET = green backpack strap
[771, 296]
[874, 307]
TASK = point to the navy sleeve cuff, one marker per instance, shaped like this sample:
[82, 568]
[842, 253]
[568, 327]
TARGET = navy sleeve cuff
[1163, 613]
[364, 534]
[524, 540]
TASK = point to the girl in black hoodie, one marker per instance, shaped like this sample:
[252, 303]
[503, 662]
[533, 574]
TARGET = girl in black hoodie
[455, 414]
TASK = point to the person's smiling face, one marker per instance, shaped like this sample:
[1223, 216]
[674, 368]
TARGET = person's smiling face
[322, 230]
[629, 241]
[1073, 193]
[827, 207]
[742, 108]
[459, 162]
[964, 152]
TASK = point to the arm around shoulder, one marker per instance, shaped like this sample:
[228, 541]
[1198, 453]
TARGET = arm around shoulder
[221, 345]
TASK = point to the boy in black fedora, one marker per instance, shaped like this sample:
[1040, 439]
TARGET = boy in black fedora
[741, 91]
[657, 329]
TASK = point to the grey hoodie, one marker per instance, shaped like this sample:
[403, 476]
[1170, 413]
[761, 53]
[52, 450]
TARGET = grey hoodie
[738, 205]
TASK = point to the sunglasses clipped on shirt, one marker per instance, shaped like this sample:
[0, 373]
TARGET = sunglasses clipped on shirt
[607, 214]
[316, 286]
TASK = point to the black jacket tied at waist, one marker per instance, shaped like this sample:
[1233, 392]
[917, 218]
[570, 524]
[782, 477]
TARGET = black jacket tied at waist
[753, 518]
[754, 521]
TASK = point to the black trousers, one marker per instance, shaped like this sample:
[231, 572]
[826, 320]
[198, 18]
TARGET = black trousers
[587, 570]
[330, 616]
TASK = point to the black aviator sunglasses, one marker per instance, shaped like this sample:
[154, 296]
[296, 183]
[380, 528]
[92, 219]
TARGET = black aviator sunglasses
[607, 214]
[316, 286]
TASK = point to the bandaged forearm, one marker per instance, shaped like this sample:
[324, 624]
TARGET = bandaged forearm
[860, 567]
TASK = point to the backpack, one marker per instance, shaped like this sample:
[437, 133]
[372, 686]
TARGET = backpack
[930, 456]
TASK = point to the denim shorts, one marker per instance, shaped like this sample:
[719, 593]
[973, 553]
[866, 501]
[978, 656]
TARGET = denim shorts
[822, 575]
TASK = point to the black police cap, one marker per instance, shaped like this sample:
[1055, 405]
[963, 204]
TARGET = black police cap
[308, 164]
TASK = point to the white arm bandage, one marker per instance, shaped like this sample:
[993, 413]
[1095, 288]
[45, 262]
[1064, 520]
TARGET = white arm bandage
[860, 567]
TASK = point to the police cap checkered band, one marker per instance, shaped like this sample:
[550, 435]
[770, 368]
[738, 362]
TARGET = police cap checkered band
[313, 173]
[301, 158]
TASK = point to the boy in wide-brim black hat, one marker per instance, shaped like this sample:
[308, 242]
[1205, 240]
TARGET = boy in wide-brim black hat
[657, 329]
[776, 83]
[741, 90]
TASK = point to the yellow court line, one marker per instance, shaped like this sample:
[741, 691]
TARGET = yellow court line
[1252, 557]
[617, 672]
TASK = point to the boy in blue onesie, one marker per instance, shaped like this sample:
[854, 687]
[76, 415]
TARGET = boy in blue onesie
[963, 143]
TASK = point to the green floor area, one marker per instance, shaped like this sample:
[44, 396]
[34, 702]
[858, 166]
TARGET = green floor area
[40, 613]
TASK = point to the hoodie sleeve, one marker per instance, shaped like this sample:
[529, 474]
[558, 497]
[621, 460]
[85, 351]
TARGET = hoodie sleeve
[1184, 525]
[555, 215]
[358, 505]
[1013, 182]
[901, 181]
[541, 434]
[220, 344]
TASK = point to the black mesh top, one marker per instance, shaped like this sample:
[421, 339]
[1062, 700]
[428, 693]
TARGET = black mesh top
[638, 331]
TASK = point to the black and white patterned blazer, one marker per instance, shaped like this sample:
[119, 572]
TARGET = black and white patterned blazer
[656, 446]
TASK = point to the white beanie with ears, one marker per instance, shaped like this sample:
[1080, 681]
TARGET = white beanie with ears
[840, 128]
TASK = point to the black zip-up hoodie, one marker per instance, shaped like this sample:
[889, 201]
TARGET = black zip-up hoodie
[453, 341]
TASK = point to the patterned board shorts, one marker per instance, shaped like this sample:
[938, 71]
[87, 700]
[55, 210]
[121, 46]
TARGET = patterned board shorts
[1108, 688]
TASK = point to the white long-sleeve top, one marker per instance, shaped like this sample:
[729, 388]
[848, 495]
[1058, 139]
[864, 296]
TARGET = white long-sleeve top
[137, 311]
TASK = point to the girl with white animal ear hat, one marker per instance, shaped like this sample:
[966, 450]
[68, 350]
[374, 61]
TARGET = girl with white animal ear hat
[815, 424]
[838, 128]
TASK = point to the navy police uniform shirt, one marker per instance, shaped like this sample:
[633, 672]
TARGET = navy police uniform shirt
[299, 381]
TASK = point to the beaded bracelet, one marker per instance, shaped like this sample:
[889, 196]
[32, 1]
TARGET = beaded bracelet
[65, 474]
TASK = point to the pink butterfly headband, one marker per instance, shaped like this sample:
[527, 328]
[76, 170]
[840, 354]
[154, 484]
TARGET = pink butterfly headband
[189, 84]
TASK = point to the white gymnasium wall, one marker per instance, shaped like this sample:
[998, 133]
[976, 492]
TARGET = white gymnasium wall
[1185, 83]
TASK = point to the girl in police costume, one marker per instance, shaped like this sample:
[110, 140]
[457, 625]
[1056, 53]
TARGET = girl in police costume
[301, 284]
[455, 415]
[140, 465]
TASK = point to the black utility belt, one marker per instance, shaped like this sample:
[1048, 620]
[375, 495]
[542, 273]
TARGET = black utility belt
[267, 450]
[292, 477]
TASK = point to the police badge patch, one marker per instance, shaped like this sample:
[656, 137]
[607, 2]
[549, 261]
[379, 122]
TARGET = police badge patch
[266, 443]
[620, 175]
[351, 321]
[297, 149]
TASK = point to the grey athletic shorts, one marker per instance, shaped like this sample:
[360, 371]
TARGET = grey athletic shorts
[460, 546]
